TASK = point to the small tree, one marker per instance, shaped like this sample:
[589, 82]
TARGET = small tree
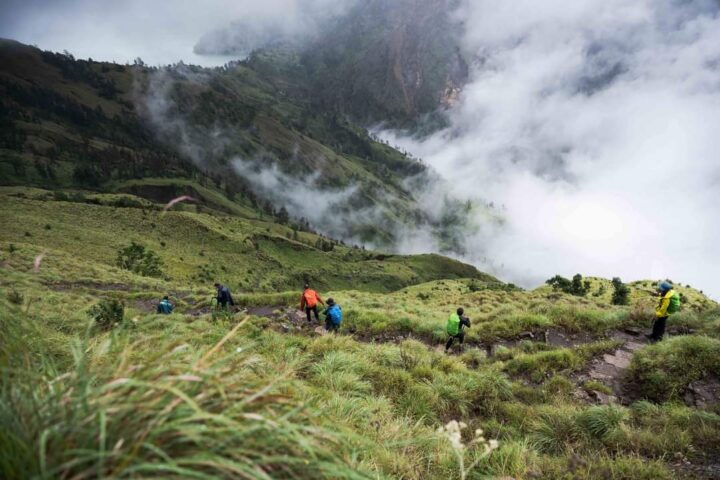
[283, 216]
[621, 292]
[576, 286]
[136, 258]
[107, 313]
[559, 283]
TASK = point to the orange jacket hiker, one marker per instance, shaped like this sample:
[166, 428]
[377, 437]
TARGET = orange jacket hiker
[309, 298]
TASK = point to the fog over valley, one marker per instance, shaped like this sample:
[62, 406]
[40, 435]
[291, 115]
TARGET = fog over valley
[584, 134]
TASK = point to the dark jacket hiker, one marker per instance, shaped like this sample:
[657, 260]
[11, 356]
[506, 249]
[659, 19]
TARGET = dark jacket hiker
[455, 325]
[223, 296]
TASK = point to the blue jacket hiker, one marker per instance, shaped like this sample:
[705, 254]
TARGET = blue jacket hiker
[165, 307]
[333, 316]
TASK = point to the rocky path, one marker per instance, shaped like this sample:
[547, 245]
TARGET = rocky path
[609, 369]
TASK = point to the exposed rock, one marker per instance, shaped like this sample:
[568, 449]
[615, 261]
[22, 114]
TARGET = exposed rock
[526, 335]
[702, 393]
[634, 331]
[602, 398]
[621, 359]
[603, 371]
[632, 346]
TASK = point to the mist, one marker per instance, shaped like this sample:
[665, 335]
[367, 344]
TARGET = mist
[592, 124]
[207, 33]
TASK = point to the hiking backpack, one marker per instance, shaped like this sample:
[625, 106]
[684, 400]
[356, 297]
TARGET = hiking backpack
[674, 305]
[453, 324]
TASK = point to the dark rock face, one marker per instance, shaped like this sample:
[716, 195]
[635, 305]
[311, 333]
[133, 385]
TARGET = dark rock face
[389, 61]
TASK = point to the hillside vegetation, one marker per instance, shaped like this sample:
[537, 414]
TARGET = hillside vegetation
[259, 394]
[555, 383]
[242, 129]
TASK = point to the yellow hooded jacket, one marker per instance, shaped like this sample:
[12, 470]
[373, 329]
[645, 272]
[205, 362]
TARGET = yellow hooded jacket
[664, 304]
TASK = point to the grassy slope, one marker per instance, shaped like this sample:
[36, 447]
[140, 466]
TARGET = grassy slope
[246, 253]
[283, 405]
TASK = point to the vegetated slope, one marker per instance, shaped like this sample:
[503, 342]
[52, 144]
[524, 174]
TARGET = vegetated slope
[251, 253]
[68, 122]
[223, 395]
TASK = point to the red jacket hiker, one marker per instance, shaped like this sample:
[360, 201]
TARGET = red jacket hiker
[309, 299]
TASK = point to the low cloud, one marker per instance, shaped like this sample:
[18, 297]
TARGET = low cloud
[593, 124]
[158, 31]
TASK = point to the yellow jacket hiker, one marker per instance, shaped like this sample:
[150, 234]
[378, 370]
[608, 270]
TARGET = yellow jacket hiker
[668, 304]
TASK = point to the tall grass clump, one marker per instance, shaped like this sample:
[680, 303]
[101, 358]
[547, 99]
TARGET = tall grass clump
[538, 365]
[555, 431]
[664, 370]
[166, 414]
[265, 299]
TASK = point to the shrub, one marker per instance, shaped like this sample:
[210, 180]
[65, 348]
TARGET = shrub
[136, 258]
[621, 292]
[576, 286]
[107, 313]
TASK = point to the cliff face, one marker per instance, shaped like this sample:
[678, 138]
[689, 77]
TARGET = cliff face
[389, 61]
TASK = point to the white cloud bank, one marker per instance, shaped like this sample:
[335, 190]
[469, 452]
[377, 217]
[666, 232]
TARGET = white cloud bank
[595, 123]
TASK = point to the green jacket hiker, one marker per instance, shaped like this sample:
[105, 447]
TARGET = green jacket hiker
[454, 328]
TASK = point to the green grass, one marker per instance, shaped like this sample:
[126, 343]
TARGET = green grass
[663, 371]
[203, 248]
[361, 404]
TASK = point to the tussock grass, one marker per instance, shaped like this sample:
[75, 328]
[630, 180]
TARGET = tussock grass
[664, 370]
[179, 415]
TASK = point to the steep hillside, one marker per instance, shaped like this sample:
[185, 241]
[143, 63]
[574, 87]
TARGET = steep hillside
[389, 62]
[87, 124]
[398, 63]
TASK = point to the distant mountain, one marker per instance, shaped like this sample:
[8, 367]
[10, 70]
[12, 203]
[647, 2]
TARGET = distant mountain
[397, 63]
[389, 61]
[247, 128]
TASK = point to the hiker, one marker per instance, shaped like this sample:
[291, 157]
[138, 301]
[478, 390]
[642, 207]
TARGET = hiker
[165, 307]
[668, 304]
[333, 316]
[455, 325]
[223, 296]
[308, 302]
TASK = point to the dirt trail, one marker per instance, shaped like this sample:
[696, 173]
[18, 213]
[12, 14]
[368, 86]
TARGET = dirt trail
[610, 368]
